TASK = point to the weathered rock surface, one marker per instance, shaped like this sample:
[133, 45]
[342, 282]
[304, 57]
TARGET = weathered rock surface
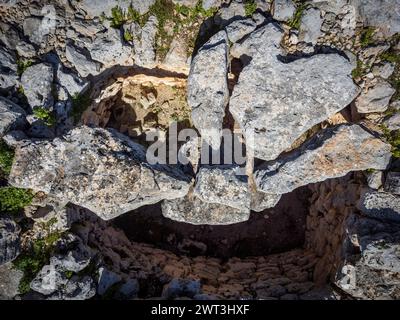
[100, 170]
[191, 209]
[72, 83]
[376, 99]
[261, 201]
[276, 102]
[330, 154]
[380, 205]
[95, 8]
[238, 29]
[283, 10]
[108, 49]
[383, 14]
[9, 281]
[310, 29]
[378, 261]
[145, 53]
[81, 61]
[222, 185]
[37, 82]
[12, 116]
[8, 69]
[9, 240]
[392, 183]
[208, 92]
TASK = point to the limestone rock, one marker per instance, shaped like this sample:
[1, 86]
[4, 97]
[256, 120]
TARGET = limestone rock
[208, 92]
[108, 49]
[98, 169]
[195, 211]
[375, 99]
[261, 201]
[81, 61]
[382, 14]
[145, 53]
[380, 205]
[238, 29]
[10, 278]
[392, 183]
[106, 280]
[94, 8]
[275, 102]
[8, 69]
[283, 10]
[12, 116]
[310, 28]
[72, 83]
[375, 179]
[393, 123]
[371, 259]
[37, 82]
[222, 185]
[330, 154]
[9, 239]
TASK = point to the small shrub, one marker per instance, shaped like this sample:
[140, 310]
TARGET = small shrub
[358, 71]
[117, 17]
[393, 138]
[6, 158]
[250, 6]
[22, 65]
[46, 115]
[128, 36]
[296, 20]
[390, 57]
[366, 38]
[32, 261]
[13, 200]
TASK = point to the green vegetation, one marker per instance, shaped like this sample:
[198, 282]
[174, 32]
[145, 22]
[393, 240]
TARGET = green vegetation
[128, 36]
[392, 137]
[31, 262]
[296, 20]
[179, 17]
[12, 200]
[390, 57]
[46, 115]
[6, 158]
[358, 72]
[22, 65]
[366, 38]
[250, 6]
[80, 102]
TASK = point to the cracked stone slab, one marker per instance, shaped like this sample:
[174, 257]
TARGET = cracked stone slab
[275, 102]
[381, 205]
[208, 92]
[332, 153]
[101, 170]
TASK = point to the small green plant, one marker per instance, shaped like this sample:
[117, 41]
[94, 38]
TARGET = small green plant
[22, 65]
[46, 115]
[118, 17]
[128, 36]
[250, 6]
[371, 170]
[393, 138]
[366, 38]
[358, 71]
[295, 22]
[13, 200]
[390, 57]
[80, 102]
[33, 260]
[6, 158]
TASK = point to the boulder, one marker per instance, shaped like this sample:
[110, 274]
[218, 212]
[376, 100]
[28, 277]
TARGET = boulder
[106, 280]
[72, 83]
[37, 82]
[12, 116]
[238, 29]
[332, 153]
[101, 170]
[392, 183]
[181, 288]
[208, 92]
[10, 278]
[145, 53]
[276, 101]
